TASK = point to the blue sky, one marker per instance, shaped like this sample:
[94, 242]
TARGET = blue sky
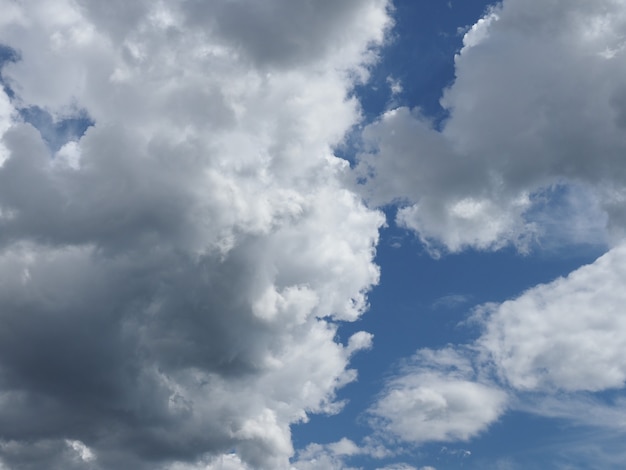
[297, 235]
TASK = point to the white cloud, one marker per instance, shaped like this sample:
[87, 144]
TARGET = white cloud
[405, 466]
[179, 262]
[582, 409]
[537, 102]
[395, 85]
[532, 152]
[567, 335]
[402, 466]
[437, 397]
[82, 451]
[551, 349]
[330, 456]
[450, 301]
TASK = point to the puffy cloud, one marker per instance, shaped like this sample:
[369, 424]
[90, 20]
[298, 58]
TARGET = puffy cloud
[170, 281]
[532, 150]
[550, 349]
[567, 335]
[331, 456]
[437, 397]
[336, 455]
[538, 101]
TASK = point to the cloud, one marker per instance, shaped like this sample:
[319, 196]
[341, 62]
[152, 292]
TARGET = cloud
[530, 153]
[538, 101]
[437, 397]
[331, 456]
[565, 335]
[582, 409]
[549, 352]
[170, 280]
[451, 301]
[403, 466]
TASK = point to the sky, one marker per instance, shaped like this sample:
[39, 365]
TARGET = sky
[301, 235]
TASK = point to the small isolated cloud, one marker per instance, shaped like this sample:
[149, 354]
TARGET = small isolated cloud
[451, 301]
[462, 453]
[395, 85]
[329, 456]
[437, 397]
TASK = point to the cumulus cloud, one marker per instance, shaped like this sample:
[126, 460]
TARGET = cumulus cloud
[331, 456]
[171, 279]
[547, 352]
[568, 335]
[531, 151]
[337, 455]
[437, 397]
[538, 101]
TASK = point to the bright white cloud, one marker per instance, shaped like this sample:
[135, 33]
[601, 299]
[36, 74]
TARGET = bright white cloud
[567, 335]
[538, 100]
[551, 348]
[330, 456]
[179, 262]
[532, 151]
[437, 397]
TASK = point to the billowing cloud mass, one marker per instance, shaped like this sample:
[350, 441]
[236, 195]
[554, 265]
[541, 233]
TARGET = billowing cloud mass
[168, 279]
[178, 241]
[544, 352]
[538, 104]
[438, 396]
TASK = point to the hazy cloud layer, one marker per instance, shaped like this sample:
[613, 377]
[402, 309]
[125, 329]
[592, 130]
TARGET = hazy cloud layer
[538, 101]
[166, 280]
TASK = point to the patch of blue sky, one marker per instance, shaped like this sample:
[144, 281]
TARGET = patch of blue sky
[55, 132]
[7, 55]
[418, 58]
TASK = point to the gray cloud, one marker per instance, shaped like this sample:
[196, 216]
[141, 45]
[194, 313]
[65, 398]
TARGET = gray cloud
[170, 280]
